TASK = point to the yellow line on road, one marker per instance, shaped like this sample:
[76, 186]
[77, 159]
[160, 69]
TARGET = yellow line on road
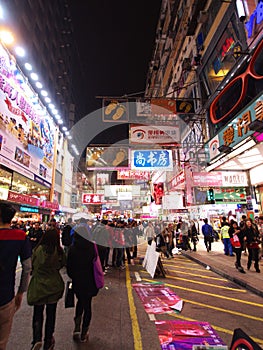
[137, 339]
[188, 268]
[194, 274]
[218, 329]
[209, 294]
[225, 310]
[206, 284]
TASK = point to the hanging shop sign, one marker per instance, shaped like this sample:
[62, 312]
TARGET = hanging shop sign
[255, 21]
[145, 134]
[22, 198]
[115, 110]
[177, 182]
[234, 178]
[92, 198]
[151, 159]
[111, 191]
[203, 179]
[50, 205]
[107, 157]
[230, 195]
[133, 175]
[26, 131]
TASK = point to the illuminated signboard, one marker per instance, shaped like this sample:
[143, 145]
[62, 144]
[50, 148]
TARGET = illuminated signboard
[29, 210]
[152, 159]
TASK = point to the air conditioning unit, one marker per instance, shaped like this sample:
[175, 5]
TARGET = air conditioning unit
[203, 17]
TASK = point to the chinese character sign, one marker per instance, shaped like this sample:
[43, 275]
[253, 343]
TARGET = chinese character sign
[152, 159]
[92, 198]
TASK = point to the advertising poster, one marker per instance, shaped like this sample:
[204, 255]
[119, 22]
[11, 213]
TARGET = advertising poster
[26, 134]
[157, 299]
[147, 134]
[115, 110]
[107, 157]
[184, 335]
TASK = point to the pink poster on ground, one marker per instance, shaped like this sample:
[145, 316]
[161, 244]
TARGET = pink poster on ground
[184, 335]
[158, 299]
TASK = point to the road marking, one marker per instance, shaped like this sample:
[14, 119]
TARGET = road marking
[152, 317]
[207, 284]
[137, 339]
[218, 329]
[210, 294]
[194, 274]
[224, 310]
[138, 277]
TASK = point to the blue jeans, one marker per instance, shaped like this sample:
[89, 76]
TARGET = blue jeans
[227, 246]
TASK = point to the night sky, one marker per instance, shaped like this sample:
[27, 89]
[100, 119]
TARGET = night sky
[114, 45]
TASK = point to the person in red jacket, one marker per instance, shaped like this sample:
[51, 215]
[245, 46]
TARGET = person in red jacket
[13, 244]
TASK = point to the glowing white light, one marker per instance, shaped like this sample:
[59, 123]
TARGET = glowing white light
[64, 128]
[34, 76]
[28, 66]
[57, 116]
[60, 121]
[54, 111]
[67, 133]
[44, 93]
[47, 99]
[70, 137]
[20, 51]
[39, 85]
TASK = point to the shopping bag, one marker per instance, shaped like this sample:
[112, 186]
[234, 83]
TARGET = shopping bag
[235, 241]
[69, 295]
[97, 268]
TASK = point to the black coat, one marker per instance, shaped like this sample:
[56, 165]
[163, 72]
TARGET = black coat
[80, 268]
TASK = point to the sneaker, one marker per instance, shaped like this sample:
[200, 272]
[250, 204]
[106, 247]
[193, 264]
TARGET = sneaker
[84, 337]
[37, 345]
[76, 336]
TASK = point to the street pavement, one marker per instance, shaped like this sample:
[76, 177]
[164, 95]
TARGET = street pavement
[224, 265]
[116, 309]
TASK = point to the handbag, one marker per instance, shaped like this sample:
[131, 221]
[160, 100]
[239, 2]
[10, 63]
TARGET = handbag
[69, 295]
[97, 269]
[235, 241]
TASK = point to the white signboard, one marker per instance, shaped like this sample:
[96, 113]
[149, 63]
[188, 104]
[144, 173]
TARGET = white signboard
[234, 179]
[144, 134]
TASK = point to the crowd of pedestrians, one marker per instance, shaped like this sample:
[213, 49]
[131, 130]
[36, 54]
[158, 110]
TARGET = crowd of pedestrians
[45, 248]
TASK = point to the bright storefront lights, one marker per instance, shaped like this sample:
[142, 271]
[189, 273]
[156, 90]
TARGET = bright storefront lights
[39, 85]
[44, 93]
[6, 37]
[20, 51]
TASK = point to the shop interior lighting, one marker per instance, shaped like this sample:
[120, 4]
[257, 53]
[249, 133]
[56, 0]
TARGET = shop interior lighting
[51, 106]
[64, 128]
[60, 121]
[6, 37]
[256, 125]
[57, 116]
[47, 99]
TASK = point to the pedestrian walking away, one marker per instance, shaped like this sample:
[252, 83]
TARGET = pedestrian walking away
[46, 287]
[80, 270]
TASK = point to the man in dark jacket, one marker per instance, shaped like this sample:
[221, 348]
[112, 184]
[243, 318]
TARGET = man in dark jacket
[35, 233]
[207, 231]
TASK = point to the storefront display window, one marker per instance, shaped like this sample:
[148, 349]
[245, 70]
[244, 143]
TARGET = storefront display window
[5, 178]
[23, 185]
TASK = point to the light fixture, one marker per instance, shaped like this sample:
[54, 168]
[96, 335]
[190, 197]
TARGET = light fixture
[64, 128]
[44, 93]
[224, 149]
[51, 106]
[57, 116]
[20, 51]
[47, 99]
[28, 66]
[60, 121]
[34, 76]
[256, 125]
[54, 111]
[6, 37]
[39, 85]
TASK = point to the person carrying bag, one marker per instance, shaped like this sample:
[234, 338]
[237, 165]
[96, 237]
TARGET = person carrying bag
[80, 268]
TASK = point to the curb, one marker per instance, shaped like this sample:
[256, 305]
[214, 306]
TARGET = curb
[227, 276]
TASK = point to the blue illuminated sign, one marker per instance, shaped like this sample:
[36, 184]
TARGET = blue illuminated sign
[29, 209]
[255, 19]
[152, 159]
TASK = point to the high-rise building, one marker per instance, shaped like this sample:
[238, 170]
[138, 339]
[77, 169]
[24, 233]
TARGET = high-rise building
[44, 29]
